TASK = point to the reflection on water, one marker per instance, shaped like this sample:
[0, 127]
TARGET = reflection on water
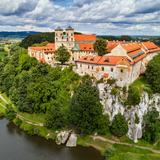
[16, 145]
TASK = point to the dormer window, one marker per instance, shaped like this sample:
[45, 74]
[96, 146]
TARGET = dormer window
[106, 60]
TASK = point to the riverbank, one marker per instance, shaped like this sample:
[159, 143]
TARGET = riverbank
[33, 124]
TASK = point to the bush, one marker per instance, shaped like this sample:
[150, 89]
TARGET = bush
[119, 126]
[18, 122]
[10, 113]
[134, 96]
[110, 152]
[111, 81]
[114, 91]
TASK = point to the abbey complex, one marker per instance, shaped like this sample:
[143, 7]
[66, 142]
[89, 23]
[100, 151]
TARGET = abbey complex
[124, 62]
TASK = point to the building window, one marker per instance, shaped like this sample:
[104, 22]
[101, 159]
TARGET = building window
[80, 65]
[121, 70]
[111, 69]
[88, 66]
[102, 68]
[92, 67]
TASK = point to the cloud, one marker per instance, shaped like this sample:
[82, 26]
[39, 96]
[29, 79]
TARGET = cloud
[99, 16]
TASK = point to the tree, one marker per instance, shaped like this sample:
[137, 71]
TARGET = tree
[151, 130]
[126, 38]
[100, 46]
[62, 55]
[10, 113]
[55, 118]
[119, 126]
[134, 96]
[86, 110]
[152, 74]
[37, 38]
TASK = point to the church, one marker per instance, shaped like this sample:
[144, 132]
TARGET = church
[124, 62]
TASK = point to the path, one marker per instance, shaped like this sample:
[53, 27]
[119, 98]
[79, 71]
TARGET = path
[20, 116]
[94, 137]
[123, 143]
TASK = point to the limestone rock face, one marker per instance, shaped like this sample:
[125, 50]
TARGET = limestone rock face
[113, 105]
[72, 141]
[62, 137]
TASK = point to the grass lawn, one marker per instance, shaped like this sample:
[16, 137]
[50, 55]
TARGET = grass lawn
[39, 118]
[120, 152]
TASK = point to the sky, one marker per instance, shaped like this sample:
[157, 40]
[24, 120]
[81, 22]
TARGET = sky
[103, 17]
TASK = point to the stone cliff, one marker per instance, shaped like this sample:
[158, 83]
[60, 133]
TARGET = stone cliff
[114, 104]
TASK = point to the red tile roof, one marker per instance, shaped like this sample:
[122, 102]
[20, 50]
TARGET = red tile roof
[85, 37]
[113, 44]
[130, 47]
[86, 46]
[103, 60]
[50, 47]
[150, 47]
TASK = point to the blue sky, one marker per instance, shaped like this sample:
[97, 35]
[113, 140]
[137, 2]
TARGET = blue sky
[109, 17]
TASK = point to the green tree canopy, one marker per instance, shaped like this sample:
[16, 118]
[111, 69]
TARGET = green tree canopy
[153, 74]
[55, 118]
[62, 55]
[119, 126]
[100, 46]
[37, 38]
[86, 110]
[134, 96]
[151, 130]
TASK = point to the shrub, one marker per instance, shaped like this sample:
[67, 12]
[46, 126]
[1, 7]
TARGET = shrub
[111, 81]
[134, 96]
[18, 122]
[119, 126]
[10, 113]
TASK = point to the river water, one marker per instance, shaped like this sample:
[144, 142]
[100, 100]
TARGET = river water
[16, 145]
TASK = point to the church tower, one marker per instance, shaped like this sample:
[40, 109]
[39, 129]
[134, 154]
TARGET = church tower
[64, 37]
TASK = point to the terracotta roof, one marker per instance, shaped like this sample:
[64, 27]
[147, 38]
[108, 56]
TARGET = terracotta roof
[113, 44]
[103, 60]
[85, 37]
[130, 47]
[150, 45]
[50, 47]
[86, 47]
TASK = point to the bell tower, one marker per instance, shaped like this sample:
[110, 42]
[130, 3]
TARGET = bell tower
[64, 37]
[58, 37]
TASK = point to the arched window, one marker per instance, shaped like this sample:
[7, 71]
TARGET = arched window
[111, 69]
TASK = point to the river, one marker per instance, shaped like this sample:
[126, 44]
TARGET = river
[16, 145]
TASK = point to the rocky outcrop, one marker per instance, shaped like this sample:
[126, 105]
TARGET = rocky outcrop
[113, 104]
[67, 137]
[72, 141]
[62, 137]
